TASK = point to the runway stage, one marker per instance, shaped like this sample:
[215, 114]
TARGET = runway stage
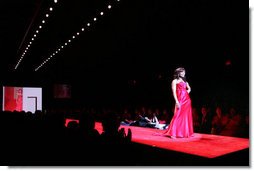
[206, 146]
[148, 148]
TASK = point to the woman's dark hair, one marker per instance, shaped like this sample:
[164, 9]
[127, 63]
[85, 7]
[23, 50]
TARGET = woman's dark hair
[177, 74]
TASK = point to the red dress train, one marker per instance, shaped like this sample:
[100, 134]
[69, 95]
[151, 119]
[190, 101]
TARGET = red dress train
[181, 124]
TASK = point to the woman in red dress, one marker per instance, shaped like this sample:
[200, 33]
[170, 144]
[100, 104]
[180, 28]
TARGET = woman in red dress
[181, 125]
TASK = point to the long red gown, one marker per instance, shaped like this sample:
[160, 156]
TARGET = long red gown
[181, 124]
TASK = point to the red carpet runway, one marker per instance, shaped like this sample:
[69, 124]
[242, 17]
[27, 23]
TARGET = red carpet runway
[204, 145]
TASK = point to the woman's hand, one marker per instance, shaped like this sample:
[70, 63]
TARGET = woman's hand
[178, 105]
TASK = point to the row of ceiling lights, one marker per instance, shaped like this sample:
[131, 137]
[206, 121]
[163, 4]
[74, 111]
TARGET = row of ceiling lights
[35, 35]
[63, 45]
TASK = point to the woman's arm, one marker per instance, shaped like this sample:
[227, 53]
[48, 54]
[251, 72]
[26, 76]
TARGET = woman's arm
[188, 87]
[173, 86]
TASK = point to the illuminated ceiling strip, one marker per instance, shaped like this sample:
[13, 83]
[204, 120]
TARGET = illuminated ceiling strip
[74, 36]
[34, 36]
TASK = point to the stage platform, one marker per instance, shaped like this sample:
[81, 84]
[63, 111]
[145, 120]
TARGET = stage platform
[201, 149]
[148, 148]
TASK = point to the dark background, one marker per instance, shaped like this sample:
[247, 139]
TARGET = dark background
[127, 57]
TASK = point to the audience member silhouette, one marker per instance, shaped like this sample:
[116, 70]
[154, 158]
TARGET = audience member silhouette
[152, 120]
[111, 133]
[246, 128]
[233, 125]
[126, 118]
[87, 128]
[217, 121]
[196, 120]
[205, 121]
[114, 140]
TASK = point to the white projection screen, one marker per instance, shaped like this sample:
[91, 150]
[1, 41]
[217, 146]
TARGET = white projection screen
[28, 99]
